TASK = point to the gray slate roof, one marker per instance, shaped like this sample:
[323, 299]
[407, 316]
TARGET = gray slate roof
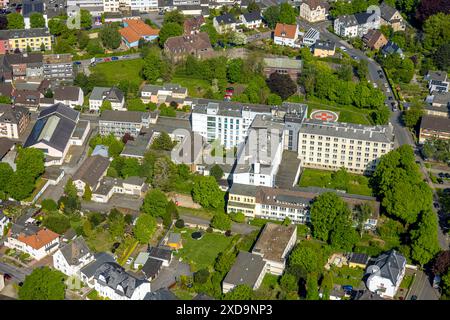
[100, 258]
[114, 276]
[226, 19]
[161, 294]
[12, 114]
[386, 11]
[75, 250]
[92, 170]
[246, 269]
[390, 264]
[151, 268]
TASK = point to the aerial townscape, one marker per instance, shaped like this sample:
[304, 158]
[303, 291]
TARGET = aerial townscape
[224, 150]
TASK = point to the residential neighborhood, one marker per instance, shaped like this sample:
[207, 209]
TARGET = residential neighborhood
[224, 150]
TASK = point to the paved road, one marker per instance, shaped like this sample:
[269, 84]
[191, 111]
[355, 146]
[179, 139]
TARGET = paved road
[17, 274]
[240, 228]
[422, 288]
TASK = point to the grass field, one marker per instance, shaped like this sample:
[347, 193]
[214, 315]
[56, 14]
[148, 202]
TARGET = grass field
[116, 71]
[201, 213]
[202, 253]
[347, 276]
[196, 87]
[358, 184]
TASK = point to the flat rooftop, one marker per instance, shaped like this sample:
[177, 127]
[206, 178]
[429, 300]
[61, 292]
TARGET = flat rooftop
[273, 241]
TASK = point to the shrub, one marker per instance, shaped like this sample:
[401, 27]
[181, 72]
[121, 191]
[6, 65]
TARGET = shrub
[179, 224]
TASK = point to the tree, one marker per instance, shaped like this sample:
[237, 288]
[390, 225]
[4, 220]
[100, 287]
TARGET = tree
[174, 16]
[206, 192]
[238, 38]
[144, 228]
[172, 210]
[94, 47]
[274, 100]
[363, 212]
[3, 22]
[282, 85]
[37, 20]
[70, 190]
[155, 203]
[20, 186]
[345, 72]
[106, 105]
[427, 8]
[240, 292]
[15, 21]
[442, 262]
[211, 31]
[362, 69]
[312, 289]
[221, 221]
[87, 195]
[289, 282]
[169, 30]
[442, 57]
[179, 223]
[57, 26]
[116, 222]
[57, 223]
[238, 217]
[272, 15]
[201, 276]
[288, 14]
[6, 172]
[62, 46]
[85, 19]
[424, 239]
[96, 218]
[154, 66]
[412, 116]
[216, 172]
[5, 99]
[234, 70]
[163, 142]
[253, 7]
[110, 36]
[43, 284]
[30, 161]
[436, 31]
[48, 204]
[308, 259]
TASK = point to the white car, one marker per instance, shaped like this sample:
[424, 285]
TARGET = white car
[375, 85]
[129, 260]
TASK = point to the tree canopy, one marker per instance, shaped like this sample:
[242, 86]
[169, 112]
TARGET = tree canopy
[206, 192]
[155, 203]
[43, 284]
[144, 228]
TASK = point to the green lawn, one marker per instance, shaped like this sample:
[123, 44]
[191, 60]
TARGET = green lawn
[407, 282]
[196, 87]
[201, 213]
[100, 240]
[202, 253]
[347, 276]
[116, 71]
[358, 184]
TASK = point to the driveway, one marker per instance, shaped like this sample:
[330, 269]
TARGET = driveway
[168, 275]
[117, 201]
[421, 287]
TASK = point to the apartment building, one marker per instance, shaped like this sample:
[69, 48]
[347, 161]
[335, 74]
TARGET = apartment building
[35, 39]
[58, 67]
[95, 7]
[434, 127]
[333, 145]
[356, 25]
[13, 121]
[144, 5]
[101, 94]
[24, 66]
[121, 122]
[111, 5]
[197, 45]
[324, 49]
[314, 10]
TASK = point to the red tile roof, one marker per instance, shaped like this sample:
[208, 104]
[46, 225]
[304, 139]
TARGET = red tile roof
[285, 30]
[40, 239]
[137, 29]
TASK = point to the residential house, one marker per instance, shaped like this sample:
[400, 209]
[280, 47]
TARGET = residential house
[249, 269]
[151, 268]
[140, 260]
[29, 99]
[161, 294]
[286, 35]
[90, 173]
[120, 123]
[392, 17]
[251, 20]
[434, 127]
[101, 94]
[225, 23]
[162, 254]
[35, 39]
[56, 129]
[174, 241]
[193, 25]
[356, 25]
[392, 48]
[386, 273]
[282, 65]
[107, 187]
[88, 271]
[28, 238]
[166, 93]
[135, 30]
[58, 67]
[13, 121]
[113, 282]
[374, 39]
[310, 37]
[274, 245]
[314, 10]
[4, 220]
[72, 257]
[138, 147]
[69, 95]
[24, 66]
[438, 104]
[324, 49]
[197, 45]
[367, 21]
[437, 81]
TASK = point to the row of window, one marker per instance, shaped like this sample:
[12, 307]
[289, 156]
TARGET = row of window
[351, 141]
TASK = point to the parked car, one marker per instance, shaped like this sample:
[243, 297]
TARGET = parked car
[436, 205]
[107, 59]
[447, 175]
[7, 276]
[441, 175]
[440, 181]
[413, 297]
[114, 58]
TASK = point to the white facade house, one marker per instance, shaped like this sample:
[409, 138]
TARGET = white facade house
[313, 10]
[356, 25]
[111, 5]
[72, 257]
[251, 20]
[113, 282]
[286, 35]
[69, 96]
[101, 94]
[107, 187]
[38, 243]
[225, 23]
[4, 222]
[386, 274]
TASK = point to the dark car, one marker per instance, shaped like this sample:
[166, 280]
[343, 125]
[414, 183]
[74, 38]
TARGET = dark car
[440, 181]
[390, 98]
[441, 175]
[7, 276]
[413, 297]
[447, 175]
